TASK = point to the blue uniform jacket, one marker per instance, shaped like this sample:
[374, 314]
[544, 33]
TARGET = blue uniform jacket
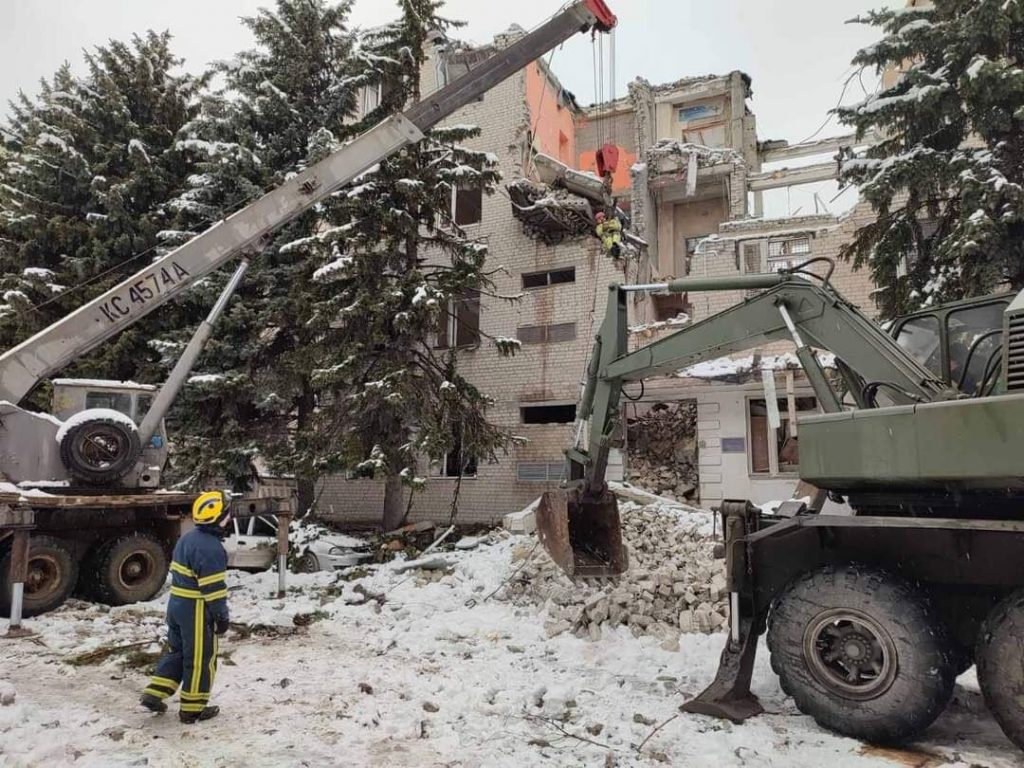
[198, 569]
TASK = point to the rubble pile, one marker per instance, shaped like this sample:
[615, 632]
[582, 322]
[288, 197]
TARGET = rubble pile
[662, 447]
[674, 583]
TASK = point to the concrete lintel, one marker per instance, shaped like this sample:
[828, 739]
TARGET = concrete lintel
[791, 177]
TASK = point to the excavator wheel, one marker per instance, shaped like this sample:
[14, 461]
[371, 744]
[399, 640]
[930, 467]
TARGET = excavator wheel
[100, 450]
[861, 651]
[1000, 659]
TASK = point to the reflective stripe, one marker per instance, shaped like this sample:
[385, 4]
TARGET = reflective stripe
[165, 681]
[156, 692]
[216, 595]
[194, 594]
[197, 650]
[179, 568]
[192, 707]
[193, 697]
[213, 578]
[213, 661]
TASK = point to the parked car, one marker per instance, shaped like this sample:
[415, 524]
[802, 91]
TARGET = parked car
[252, 546]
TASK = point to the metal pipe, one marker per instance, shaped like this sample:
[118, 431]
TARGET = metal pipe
[734, 616]
[17, 600]
[176, 378]
[696, 284]
[788, 320]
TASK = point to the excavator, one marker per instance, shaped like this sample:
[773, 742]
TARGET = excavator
[870, 614]
[84, 475]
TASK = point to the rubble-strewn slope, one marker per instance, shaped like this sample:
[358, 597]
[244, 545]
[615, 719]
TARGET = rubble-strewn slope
[673, 584]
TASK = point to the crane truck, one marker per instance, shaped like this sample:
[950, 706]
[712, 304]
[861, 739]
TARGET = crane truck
[870, 615]
[85, 478]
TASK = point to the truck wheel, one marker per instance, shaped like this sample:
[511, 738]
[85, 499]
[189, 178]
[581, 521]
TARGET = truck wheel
[1000, 660]
[131, 569]
[100, 450]
[52, 575]
[862, 652]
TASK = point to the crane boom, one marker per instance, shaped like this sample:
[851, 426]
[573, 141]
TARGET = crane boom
[23, 366]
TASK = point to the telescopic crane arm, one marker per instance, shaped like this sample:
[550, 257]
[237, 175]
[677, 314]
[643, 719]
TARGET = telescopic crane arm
[22, 367]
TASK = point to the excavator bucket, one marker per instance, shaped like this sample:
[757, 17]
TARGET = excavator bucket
[582, 534]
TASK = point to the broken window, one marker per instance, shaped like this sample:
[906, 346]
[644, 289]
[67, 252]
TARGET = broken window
[468, 205]
[548, 414]
[545, 334]
[455, 464]
[540, 471]
[668, 306]
[550, 277]
[775, 451]
[460, 324]
[371, 98]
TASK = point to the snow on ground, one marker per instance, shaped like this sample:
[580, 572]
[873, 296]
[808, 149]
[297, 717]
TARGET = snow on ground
[419, 669]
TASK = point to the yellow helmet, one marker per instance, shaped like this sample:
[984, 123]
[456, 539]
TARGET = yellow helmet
[209, 507]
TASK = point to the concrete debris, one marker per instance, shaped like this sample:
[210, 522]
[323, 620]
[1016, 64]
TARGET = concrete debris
[674, 584]
[662, 447]
[670, 154]
[550, 215]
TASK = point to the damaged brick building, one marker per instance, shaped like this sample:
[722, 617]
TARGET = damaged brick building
[690, 179]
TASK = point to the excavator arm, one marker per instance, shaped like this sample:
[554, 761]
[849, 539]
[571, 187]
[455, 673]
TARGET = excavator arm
[791, 308]
[22, 367]
[579, 526]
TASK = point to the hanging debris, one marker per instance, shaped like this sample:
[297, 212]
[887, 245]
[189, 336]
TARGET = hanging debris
[550, 215]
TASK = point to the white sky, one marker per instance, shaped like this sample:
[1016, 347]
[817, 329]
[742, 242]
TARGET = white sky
[796, 51]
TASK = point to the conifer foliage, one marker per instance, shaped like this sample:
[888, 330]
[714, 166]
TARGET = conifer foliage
[947, 176]
[403, 285]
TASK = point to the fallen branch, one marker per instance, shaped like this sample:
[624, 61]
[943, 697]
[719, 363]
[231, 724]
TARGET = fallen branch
[101, 654]
[567, 733]
[651, 734]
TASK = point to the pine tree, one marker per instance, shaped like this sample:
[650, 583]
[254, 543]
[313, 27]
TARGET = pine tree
[90, 162]
[284, 106]
[947, 176]
[396, 269]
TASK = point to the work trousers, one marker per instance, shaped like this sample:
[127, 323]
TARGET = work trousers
[192, 660]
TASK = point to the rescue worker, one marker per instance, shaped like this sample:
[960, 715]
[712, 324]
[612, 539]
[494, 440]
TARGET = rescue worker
[610, 232]
[197, 614]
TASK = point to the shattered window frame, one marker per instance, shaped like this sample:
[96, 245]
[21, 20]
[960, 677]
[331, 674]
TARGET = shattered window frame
[476, 205]
[760, 439]
[549, 276]
[459, 326]
[547, 413]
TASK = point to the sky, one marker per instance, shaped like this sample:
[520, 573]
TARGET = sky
[796, 51]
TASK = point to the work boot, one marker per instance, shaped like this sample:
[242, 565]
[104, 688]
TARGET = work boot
[153, 703]
[208, 713]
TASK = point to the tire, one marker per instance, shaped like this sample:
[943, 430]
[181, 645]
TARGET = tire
[131, 569]
[1000, 659]
[826, 622]
[52, 576]
[100, 450]
[307, 563]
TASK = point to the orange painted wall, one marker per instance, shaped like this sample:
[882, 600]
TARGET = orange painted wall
[556, 130]
[621, 179]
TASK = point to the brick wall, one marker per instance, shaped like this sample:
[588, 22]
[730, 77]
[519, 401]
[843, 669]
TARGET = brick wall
[539, 372]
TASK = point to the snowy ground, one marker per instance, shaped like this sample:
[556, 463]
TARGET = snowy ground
[421, 676]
